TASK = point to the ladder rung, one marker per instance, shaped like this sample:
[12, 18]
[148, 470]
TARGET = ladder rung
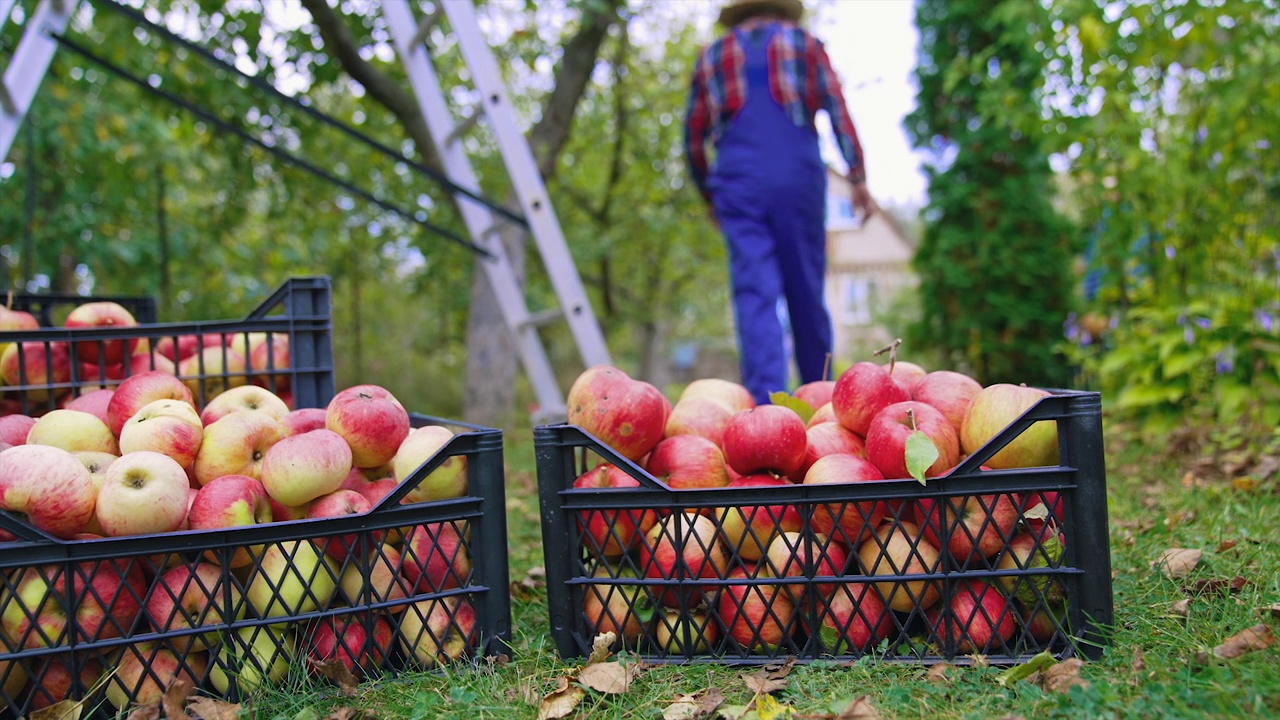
[425, 27]
[543, 317]
[465, 124]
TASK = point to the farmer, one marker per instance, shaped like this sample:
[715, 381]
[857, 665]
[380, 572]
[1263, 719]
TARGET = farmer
[754, 94]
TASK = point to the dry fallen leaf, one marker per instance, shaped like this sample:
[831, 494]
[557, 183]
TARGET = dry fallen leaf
[770, 678]
[337, 673]
[1063, 676]
[602, 647]
[1258, 637]
[63, 710]
[175, 698]
[1234, 585]
[937, 674]
[1226, 545]
[701, 704]
[529, 692]
[767, 708]
[1139, 660]
[342, 713]
[562, 701]
[150, 711]
[210, 709]
[859, 708]
[610, 678]
[1244, 483]
[1272, 611]
[1181, 608]
[1177, 562]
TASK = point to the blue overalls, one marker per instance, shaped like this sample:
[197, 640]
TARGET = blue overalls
[768, 187]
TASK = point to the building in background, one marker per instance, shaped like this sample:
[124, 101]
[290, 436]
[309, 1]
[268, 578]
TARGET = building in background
[868, 269]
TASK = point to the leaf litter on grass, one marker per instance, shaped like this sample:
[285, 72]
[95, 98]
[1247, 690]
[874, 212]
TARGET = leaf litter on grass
[1258, 637]
[1177, 562]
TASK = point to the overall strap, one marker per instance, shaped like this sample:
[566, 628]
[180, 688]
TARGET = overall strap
[756, 54]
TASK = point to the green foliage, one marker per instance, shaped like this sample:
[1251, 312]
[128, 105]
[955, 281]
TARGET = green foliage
[994, 259]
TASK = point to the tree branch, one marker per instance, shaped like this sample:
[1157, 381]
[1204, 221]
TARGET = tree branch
[619, 124]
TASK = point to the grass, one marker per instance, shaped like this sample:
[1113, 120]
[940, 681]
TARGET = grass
[1188, 493]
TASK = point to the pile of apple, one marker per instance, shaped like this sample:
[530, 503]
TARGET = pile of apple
[676, 580]
[141, 459]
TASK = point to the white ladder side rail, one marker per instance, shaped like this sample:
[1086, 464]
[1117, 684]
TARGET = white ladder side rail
[29, 65]
[6, 9]
[527, 182]
[479, 220]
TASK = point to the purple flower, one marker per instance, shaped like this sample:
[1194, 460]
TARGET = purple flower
[1115, 322]
[1262, 144]
[1203, 133]
[1264, 319]
[1188, 335]
[1203, 322]
[1225, 362]
[1086, 338]
[1169, 252]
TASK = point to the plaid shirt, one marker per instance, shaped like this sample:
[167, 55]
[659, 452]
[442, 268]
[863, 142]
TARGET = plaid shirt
[801, 80]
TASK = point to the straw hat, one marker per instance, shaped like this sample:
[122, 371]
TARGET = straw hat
[735, 11]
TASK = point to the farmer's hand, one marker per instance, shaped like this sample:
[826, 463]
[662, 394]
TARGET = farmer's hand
[862, 202]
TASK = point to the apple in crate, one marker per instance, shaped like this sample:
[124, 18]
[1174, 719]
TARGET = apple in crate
[169, 427]
[757, 616]
[270, 353]
[341, 503]
[978, 619]
[73, 431]
[300, 468]
[49, 487]
[854, 619]
[371, 420]
[143, 493]
[372, 483]
[614, 607]
[144, 671]
[54, 681]
[244, 397]
[11, 319]
[679, 632]
[688, 461]
[611, 532]
[845, 521]
[969, 527]
[252, 657]
[145, 361]
[230, 501]
[360, 642]
[138, 391]
[891, 427]
[436, 557]
[768, 438]
[901, 549]
[862, 391]
[211, 371]
[384, 582]
[94, 402]
[439, 631]
[732, 395]
[236, 445]
[828, 438]
[992, 410]
[37, 363]
[192, 596]
[180, 347]
[686, 547]
[948, 391]
[703, 416]
[749, 529]
[1029, 552]
[447, 481]
[628, 415]
[14, 429]
[104, 315]
[291, 578]
[302, 420]
[790, 555]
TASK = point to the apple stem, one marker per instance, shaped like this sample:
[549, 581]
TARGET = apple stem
[892, 349]
[911, 418]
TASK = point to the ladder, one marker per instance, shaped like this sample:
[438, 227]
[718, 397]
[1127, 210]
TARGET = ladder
[37, 47]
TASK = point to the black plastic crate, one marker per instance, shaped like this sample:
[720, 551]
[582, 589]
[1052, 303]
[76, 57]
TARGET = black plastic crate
[450, 582]
[813, 596]
[50, 309]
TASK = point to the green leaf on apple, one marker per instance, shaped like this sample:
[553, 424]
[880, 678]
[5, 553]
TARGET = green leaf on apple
[921, 454]
[830, 637]
[802, 408]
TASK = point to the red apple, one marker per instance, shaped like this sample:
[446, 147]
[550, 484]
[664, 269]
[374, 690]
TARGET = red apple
[628, 415]
[376, 579]
[824, 439]
[151, 362]
[371, 420]
[55, 681]
[94, 402]
[846, 522]
[237, 445]
[301, 468]
[169, 427]
[436, 557]
[447, 481]
[816, 393]
[138, 391]
[977, 619]
[688, 461]
[1028, 552]
[906, 374]
[142, 493]
[768, 438]
[890, 428]
[227, 502]
[749, 529]
[372, 483]
[732, 395]
[41, 365]
[615, 608]
[14, 429]
[854, 619]
[146, 670]
[212, 371]
[789, 555]
[286, 513]
[611, 532]
[824, 414]
[757, 616]
[181, 347]
[104, 315]
[438, 632]
[339, 504]
[897, 549]
[862, 391]
[302, 420]
[992, 410]
[48, 486]
[192, 596]
[73, 431]
[969, 527]
[244, 397]
[685, 633]
[271, 354]
[360, 642]
[682, 547]
[950, 392]
[698, 415]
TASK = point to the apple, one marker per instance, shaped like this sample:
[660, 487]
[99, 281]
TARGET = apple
[192, 596]
[237, 445]
[436, 557]
[212, 371]
[901, 549]
[906, 374]
[824, 414]
[13, 680]
[340, 503]
[824, 439]
[1045, 622]
[227, 502]
[447, 481]
[252, 657]
[151, 362]
[11, 319]
[685, 633]
[853, 619]
[42, 365]
[376, 579]
[49, 486]
[748, 529]
[734, 396]
[992, 410]
[180, 347]
[698, 415]
[138, 391]
[142, 493]
[948, 391]
[14, 429]
[73, 431]
[291, 578]
[688, 461]
[360, 642]
[302, 420]
[1028, 552]
[169, 427]
[244, 397]
[757, 616]
[102, 314]
[767, 438]
[372, 483]
[862, 391]
[789, 555]
[144, 671]
[54, 681]
[438, 632]
[890, 428]
[243, 342]
[300, 468]
[978, 618]
[682, 547]
[974, 526]
[371, 420]
[94, 402]
[846, 522]
[613, 607]
[816, 393]
[611, 533]
[286, 513]
[271, 354]
[628, 415]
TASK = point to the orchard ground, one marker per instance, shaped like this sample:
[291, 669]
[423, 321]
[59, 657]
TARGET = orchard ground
[1216, 491]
